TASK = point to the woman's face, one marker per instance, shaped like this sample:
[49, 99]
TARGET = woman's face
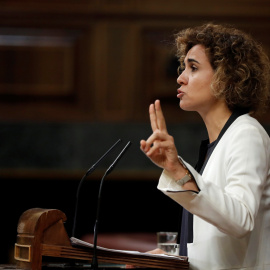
[195, 82]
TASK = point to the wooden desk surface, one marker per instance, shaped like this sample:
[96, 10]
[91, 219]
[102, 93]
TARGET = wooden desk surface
[69, 267]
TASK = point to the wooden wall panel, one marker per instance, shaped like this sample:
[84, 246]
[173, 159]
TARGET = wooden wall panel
[36, 65]
[102, 60]
[117, 68]
[41, 74]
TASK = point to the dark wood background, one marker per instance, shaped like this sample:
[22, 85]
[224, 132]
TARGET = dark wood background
[75, 76]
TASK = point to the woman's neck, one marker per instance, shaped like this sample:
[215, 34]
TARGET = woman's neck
[215, 120]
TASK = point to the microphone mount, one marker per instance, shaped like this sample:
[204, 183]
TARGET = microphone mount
[89, 171]
[94, 264]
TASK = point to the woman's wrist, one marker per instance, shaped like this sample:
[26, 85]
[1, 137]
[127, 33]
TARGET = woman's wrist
[178, 172]
[181, 172]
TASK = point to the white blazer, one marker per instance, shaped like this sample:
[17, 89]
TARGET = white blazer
[232, 210]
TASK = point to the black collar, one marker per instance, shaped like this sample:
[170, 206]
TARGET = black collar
[204, 154]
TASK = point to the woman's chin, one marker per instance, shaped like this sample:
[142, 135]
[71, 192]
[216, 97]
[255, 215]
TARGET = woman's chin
[184, 107]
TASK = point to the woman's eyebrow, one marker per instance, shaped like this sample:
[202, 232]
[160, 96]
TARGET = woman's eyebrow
[192, 60]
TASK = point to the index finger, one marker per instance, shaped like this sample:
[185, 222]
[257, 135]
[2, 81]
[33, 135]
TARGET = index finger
[153, 117]
[160, 120]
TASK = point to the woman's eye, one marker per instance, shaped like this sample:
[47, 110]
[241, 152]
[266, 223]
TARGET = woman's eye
[193, 68]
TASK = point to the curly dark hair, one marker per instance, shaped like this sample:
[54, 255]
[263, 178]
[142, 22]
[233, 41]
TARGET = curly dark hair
[242, 69]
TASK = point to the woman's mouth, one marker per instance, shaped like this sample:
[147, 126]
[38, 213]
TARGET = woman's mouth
[180, 93]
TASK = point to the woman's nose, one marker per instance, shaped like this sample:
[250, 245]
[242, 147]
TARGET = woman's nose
[181, 78]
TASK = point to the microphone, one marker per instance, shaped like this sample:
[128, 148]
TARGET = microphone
[90, 170]
[94, 264]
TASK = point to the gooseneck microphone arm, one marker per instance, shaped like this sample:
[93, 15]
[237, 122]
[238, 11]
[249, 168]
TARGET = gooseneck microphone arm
[90, 170]
[94, 264]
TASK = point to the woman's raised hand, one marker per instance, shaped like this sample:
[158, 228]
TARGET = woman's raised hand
[160, 147]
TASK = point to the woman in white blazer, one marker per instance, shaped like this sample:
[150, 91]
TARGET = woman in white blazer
[225, 78]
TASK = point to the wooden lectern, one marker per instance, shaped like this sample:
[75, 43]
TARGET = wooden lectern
[41, 235]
